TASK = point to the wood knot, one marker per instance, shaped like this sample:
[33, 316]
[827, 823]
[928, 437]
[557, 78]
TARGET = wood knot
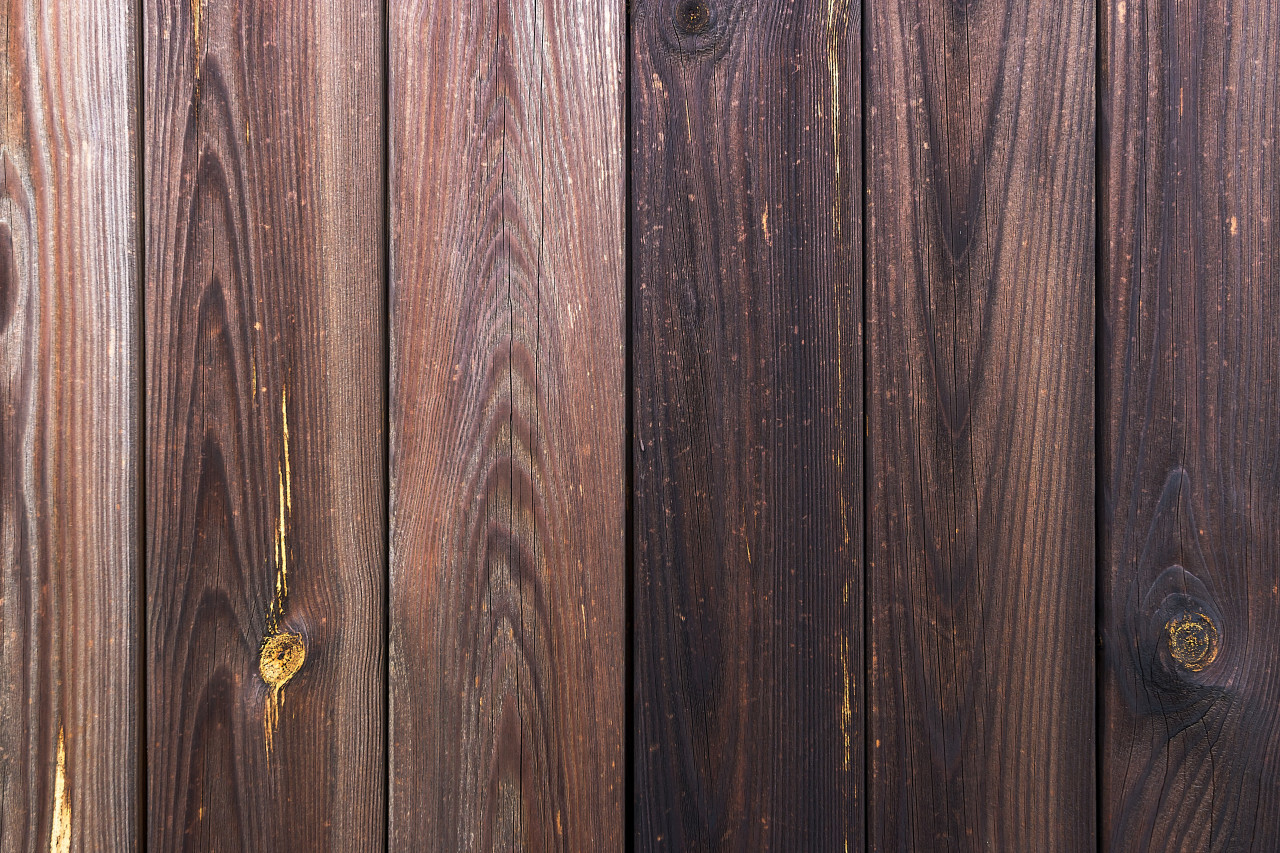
[281, 657]
[1193, 640]
[696, 31]
[693, 17]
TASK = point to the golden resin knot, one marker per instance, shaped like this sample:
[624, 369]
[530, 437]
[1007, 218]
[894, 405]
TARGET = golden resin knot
[281, 657]
[1193, 640]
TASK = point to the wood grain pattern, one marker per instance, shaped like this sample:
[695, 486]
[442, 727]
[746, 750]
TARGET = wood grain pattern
[69, 429]
[746, 250]
[508, 489]
[265, 515]
[980, 303]
[1190, 258]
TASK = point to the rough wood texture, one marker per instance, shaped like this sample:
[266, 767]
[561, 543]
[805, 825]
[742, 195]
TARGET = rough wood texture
[1190, 258]
[68, 428]
[508, 488]
[747, 358]
[265, 516]
[980, 308]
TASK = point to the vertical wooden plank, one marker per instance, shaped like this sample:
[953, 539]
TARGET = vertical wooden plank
[507, 521]
[1190, 261]
[69, 361]
[264, 295]
[747, 363]
[980, 309]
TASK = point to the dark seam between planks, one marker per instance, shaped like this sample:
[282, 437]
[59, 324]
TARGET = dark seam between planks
[387, 391]
[628, 456]
[140, 413]
[1099, 177]
[865, 705]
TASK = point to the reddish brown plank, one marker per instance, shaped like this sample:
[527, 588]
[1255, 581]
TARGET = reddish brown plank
[69, 427]
[264, 339]
[980, 309]
[507, 523]
[1191, 395]
[747, 363]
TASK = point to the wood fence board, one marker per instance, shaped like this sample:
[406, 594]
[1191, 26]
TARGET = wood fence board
[747, 363]
[1189, 260]
[69, 427]
[980, 306]
[264, 449]
[507, 411]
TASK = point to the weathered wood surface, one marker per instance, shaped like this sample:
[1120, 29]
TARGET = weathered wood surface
[980, 304]
[507, 410]
[1190, 258]
[250, 705]
[264, 449]
[747, 359]
[69, 428]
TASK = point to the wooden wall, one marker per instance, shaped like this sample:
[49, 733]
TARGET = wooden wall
[664, 425]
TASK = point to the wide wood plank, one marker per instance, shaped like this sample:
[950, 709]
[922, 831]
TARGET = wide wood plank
[747, 360]
[980, 306]
[265, 491]
[69, 427]
[1191, 494]
[507, 406]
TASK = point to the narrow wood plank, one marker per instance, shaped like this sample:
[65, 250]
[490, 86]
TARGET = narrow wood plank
[69, 362]
[747, 360]
[980, 309]
[265, 515]
[1191, 533]
[508, 492]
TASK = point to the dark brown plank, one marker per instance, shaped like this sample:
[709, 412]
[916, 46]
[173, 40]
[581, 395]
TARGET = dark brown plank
[747, 359]
[265, 516]
[69, 427]
[508, 488]
[1190, 259]
[980, 308]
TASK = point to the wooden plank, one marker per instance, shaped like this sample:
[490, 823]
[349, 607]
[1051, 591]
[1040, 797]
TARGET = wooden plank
[980, 308]
[507, 412]
[747, 361]
[265, 508]
[1190, 259]
[69, 427]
